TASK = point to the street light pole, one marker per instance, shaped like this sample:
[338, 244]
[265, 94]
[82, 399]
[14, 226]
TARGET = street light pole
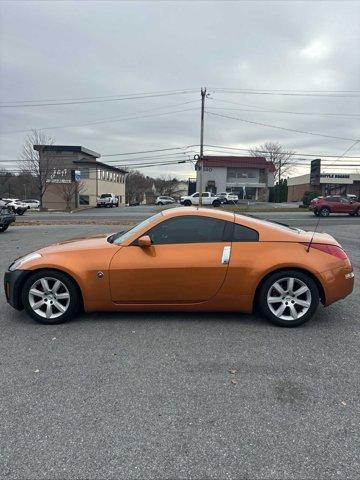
[201, 160]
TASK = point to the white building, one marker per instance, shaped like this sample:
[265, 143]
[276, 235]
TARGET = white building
[247, 177]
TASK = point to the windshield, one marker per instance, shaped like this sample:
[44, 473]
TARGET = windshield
[119, 238]
[105, 195]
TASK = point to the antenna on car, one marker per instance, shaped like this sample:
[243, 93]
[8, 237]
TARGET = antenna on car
[313, 233]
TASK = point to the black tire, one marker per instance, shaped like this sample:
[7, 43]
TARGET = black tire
[316, 213]
[266, 287]
[187, 203]
[3, 228]
[20, 212]
[74, 304]
[216, 203]
[324, 212]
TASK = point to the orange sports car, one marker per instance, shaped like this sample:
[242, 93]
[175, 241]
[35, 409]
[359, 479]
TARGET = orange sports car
[192, 259]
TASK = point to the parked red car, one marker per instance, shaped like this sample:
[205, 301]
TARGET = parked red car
[323, 206]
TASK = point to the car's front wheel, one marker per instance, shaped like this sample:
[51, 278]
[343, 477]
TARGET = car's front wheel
[216, 203]
[50, 297]
[187, 203]
[288, 298]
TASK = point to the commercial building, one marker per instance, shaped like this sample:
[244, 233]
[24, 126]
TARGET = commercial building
[338, 183]
[247, 177]
[75, 177]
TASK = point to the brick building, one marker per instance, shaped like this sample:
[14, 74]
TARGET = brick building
[339, 183]
[95, 177]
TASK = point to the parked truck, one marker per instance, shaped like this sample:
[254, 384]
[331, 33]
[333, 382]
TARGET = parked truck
[107, 200]
[206, 199]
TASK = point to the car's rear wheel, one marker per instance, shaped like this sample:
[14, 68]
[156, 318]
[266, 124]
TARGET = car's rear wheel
[288, 298]
[160, 203]
[4, 227]
[50, 297]
[325, 211]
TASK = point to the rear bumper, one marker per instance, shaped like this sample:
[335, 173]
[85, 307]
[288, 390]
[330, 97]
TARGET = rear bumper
[12, 285]
[338, 283]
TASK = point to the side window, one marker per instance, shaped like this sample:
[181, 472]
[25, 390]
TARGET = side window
[188, 229]
[244, 234]
[345, 200]
[195, 195]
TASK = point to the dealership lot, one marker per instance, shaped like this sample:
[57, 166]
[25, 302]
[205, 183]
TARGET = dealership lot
[151, 395]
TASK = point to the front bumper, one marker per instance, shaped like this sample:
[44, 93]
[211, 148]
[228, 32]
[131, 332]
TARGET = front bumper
[13, 282]
[7, 220]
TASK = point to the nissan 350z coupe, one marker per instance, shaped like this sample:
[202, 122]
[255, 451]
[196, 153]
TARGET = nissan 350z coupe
[185, 259]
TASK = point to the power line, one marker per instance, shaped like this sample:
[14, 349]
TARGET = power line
[76, 102]
[117, 119]
[277, 127]
[98, 97]
[271, 110]
[283, 93]
[150, 151]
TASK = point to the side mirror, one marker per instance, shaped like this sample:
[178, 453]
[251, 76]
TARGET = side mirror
[144, 241]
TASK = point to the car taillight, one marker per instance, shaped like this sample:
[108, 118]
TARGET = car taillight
[330, 249]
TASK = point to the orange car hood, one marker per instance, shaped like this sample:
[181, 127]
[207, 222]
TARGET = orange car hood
[79, 244]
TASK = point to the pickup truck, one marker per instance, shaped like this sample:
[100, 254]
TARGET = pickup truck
[206, 199]
[7, 216]
[107, 200]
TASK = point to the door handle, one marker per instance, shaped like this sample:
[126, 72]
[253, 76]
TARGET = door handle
[226, 254]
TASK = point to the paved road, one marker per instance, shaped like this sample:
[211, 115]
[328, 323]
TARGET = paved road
[136, 214]
[148, 396]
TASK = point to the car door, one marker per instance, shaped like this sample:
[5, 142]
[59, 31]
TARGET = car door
[186, 263]
[346, 206]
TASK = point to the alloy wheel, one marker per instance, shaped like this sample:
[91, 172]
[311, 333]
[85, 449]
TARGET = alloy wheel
[289, 298]
[49, 297]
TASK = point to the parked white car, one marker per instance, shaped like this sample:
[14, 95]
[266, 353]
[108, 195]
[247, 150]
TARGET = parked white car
[206, 197]
[107, 200]
[227, 197]
[31, 203]
[162, 200]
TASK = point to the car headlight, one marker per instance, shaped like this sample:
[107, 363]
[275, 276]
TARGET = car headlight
[20, 261]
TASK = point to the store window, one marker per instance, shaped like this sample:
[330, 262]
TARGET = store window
[84, 199]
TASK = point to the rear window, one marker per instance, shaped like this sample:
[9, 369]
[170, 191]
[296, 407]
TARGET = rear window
[244, 234]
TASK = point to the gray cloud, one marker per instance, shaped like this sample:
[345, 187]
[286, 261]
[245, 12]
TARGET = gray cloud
[77, 49]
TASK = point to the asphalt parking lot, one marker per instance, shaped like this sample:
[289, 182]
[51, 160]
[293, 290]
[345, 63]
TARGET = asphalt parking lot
[142, 395]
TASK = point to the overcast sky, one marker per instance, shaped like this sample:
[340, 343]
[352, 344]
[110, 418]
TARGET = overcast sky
[64, 50]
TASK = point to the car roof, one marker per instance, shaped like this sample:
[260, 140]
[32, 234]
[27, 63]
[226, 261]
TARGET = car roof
[268, 231]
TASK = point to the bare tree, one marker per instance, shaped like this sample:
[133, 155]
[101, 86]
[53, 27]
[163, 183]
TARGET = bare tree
[69, 191]
[136, 185]
[166, 185]
[275, 153]
[40, 171]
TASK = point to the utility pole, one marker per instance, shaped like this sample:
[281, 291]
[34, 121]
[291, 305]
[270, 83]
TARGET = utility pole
[279, 171]
[201, 160]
